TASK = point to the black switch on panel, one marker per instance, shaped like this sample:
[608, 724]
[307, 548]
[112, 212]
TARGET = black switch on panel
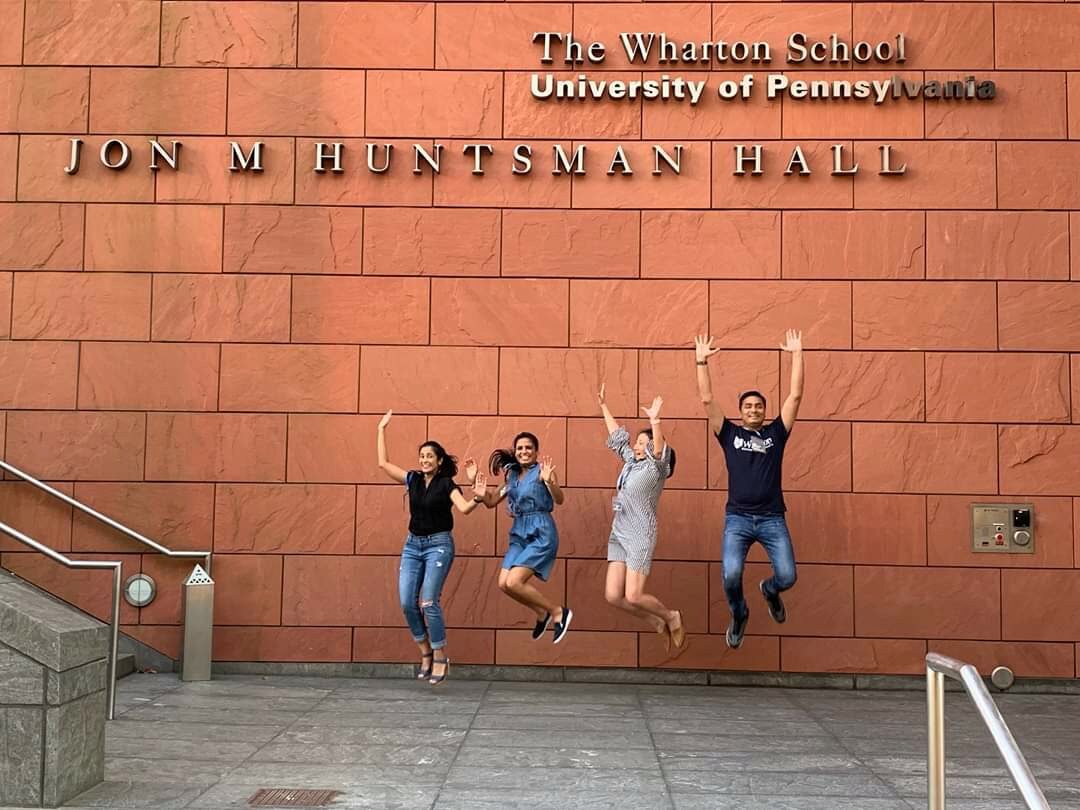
[1021, 518]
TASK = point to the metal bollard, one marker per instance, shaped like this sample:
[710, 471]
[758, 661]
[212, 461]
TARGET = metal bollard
[198, 625]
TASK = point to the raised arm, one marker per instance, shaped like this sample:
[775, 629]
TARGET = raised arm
[479, 493]
[654, 422]
[547, 475]
[609, 420]
[703, 350]
[391, 470]
[790, 411]
[488, 497]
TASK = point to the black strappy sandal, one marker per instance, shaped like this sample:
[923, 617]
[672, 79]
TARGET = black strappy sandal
[425, 672]
[437, 679]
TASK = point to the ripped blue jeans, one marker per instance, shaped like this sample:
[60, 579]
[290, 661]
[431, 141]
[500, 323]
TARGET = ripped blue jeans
[425, 564]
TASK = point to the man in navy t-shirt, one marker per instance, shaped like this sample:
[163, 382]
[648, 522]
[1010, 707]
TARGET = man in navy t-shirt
[754, 453]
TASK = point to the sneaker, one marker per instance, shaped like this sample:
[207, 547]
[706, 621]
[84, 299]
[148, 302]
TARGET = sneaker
[541, 626]
[560, 628]
[775, 603]
[736, 630]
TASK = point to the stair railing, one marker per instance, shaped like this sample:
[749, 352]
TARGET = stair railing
[114, 625]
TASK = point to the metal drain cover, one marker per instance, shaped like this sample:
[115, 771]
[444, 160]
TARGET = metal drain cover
[292, 797]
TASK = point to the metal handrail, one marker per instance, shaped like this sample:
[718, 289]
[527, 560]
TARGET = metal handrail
[114, 639]
[937, 667]
[108, 521]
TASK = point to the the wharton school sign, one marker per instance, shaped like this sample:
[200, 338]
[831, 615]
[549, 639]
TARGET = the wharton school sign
[639, 48]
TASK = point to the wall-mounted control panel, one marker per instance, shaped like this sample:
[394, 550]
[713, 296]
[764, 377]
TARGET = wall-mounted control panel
[1007, 528]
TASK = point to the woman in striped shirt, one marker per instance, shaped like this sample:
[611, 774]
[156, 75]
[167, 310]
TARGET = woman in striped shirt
[646, 466]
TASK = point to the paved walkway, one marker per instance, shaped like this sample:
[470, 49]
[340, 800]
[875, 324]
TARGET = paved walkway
[399, 744]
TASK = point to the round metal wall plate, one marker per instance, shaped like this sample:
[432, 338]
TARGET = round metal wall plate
[1002, 677]
[140, 590]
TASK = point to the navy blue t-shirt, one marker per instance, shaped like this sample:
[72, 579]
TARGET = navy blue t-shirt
[755, 460]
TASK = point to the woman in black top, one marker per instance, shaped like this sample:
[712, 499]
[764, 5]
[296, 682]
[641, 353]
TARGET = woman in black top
[429, 547]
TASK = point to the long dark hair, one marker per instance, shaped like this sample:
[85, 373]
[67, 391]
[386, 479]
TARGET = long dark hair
[447, 463]
[671, 470]
[501, 459]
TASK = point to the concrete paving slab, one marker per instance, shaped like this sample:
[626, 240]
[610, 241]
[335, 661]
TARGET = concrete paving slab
[563, 745]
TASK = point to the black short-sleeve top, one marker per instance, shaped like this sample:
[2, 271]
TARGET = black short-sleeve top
[430, 507]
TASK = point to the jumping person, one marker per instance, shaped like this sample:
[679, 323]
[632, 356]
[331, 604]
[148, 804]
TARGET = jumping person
[646, 466]
[533, 490]
[429, 547]
[754, 453]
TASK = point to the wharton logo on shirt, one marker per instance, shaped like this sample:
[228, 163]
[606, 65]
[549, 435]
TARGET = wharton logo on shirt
[755, 444]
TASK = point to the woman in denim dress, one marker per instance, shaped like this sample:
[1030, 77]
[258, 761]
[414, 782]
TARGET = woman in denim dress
[429, 547]
[532, 490]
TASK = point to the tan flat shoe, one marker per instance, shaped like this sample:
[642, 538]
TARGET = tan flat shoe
[678, 634]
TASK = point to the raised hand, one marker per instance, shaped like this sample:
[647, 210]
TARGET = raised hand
[470, 468]
[654, 412]
[703, 348]
[792, 342]
[547, 468]
[480, 485]
[600, 396]
[385, 420]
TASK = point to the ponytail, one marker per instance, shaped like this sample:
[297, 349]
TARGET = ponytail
[503, 460]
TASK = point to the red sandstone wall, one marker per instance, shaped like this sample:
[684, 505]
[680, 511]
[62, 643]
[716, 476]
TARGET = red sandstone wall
[205, 355]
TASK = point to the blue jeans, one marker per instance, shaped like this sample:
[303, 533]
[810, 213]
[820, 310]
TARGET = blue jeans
[425, 564]
[740, 532]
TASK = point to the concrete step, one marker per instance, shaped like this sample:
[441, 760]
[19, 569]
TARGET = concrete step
[125, 665]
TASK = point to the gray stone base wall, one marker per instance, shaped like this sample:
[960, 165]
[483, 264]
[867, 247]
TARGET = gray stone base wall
[22, 737]
[53, 673]
[74, 748]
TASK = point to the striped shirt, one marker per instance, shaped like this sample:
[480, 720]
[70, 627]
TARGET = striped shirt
[639, 486]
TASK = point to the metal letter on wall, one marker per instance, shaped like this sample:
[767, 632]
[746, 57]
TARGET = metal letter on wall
[172, 158]
[372, 151]
[522, 159]
[838, 161]
[797, 159]
[76, 156]
[250, 162]
[675, 163]
[566, 164]
[419, 152]
[741, 159]
[478, 150]
[619, 159]
[321, 157]
[886, 161]
[125, 154]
